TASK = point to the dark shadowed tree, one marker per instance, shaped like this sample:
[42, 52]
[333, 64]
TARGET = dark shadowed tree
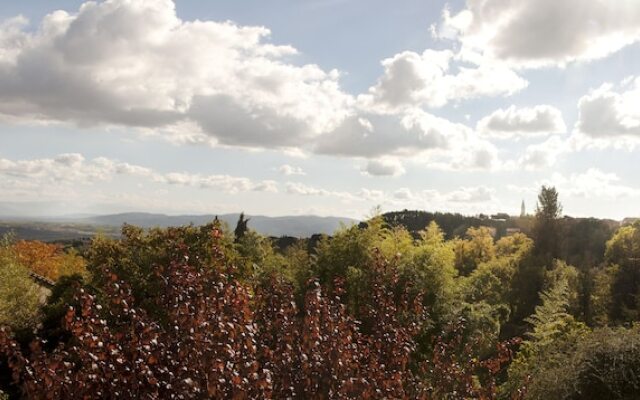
[546, 229]
[241, 227]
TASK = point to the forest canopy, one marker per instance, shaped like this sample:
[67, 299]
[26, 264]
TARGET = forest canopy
[382, 309]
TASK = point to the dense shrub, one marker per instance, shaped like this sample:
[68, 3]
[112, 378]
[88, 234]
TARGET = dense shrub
[602, 364]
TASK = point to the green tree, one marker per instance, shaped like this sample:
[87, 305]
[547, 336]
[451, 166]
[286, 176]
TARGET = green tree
[552, 336]
[255, 256]
[476, 249]
[569, 274]
[546, 229]
[350, 247]
[596, 365]
[431, 271]
[623, 250]
[517, 246]
[19, 295]
[600, 295]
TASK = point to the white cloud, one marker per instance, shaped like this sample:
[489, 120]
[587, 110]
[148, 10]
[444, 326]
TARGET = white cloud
[545, 154]
[371, 195]
[69, 168]
[266, 186]
[471, 195]
[223, 183]
[384, 167]
[307, 190]
[288, 170]
[427, 139]
[534, 33]
[478, 194]
[595, 183]
[411, 79]
[464, 199]
[72, 169]
[71, 178]
[607, 115]
[404, 194]
[513, 122]
[591, 184]
[135, 63]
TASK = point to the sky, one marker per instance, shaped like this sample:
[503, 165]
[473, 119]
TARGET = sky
[324, 107]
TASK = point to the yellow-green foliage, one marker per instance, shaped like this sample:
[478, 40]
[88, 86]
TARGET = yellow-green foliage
[255, 256]
[432, 271]
[477, 248]
[624, 246]
[19, 295]
[396, 245]
[600, 296]
[517, 245]
[562, 271]
[623, 251]
[349, 247]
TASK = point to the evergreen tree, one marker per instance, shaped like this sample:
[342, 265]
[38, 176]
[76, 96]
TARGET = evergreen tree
[551, 317]
[241, 227]
[553, 334]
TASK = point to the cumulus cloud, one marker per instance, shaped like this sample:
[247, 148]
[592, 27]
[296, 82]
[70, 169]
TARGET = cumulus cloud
[534, 33]
[73, 169]
[288, 170]
[384, 167]
[471, 195]
[591, 184]
[479, 194]
[513, 122]
[411, 79]
[371, 195]
[403, 194]
[596, 183]
[72, 176]
[307, 190]
[135, 63]
[609, 114]
[545, 154]
[69, 168]
[224, 183]
[430, 140]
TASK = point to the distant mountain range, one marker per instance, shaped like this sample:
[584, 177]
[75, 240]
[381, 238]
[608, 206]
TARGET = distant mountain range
[42, 228]
[298, 226]
[31, 226]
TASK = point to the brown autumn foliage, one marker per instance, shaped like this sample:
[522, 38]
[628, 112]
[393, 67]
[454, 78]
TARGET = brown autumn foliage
[222, 340]
[48, 260]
